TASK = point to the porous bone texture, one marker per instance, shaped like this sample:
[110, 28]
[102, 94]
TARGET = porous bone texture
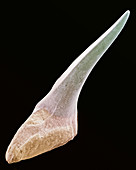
[40, 133]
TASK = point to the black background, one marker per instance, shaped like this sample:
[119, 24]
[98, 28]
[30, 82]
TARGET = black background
[38, 42]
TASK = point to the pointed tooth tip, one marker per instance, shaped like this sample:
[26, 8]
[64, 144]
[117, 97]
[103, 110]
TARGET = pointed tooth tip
[127, 13]
[125, 16]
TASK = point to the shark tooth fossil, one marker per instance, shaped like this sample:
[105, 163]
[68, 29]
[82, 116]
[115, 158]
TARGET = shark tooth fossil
[54, 119]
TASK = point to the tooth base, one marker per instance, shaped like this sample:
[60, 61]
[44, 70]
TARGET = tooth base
[40, 133]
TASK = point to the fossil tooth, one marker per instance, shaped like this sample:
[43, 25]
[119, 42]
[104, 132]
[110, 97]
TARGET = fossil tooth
[54, 119]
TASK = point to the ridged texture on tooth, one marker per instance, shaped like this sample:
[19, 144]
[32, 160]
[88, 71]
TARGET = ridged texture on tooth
[40, 133]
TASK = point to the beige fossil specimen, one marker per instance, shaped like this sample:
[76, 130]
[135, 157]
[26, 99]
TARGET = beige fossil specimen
[54, 119]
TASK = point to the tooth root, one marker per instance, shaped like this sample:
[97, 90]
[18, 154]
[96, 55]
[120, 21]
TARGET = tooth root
[54, 119]
[40, 133]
